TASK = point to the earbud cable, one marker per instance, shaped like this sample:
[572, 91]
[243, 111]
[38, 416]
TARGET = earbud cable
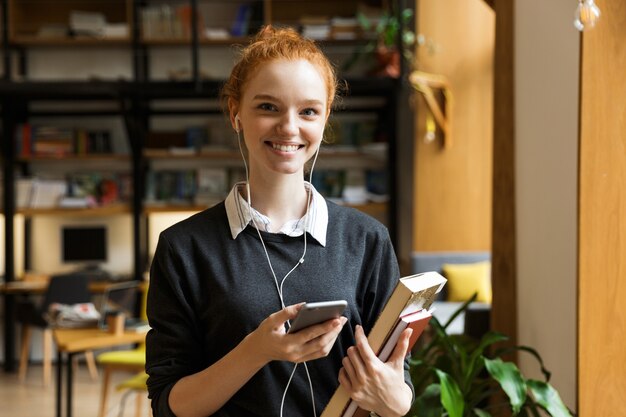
[279, 288]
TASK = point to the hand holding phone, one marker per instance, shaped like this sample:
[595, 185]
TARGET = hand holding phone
[315, 313]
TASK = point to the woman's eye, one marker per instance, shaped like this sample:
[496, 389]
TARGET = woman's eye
[309, 112]
[267, 107]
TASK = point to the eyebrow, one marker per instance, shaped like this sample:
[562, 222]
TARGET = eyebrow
[272, 98]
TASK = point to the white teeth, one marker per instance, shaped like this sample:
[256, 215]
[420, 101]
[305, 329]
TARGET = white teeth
[285, 148]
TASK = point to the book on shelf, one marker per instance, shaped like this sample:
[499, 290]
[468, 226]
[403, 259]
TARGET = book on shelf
[412, 294]
[184, 17]
[23, 192]
[57, 141]
[248, 19]
[87, 23]
[212, 186]
[171, 187]
[46, 193]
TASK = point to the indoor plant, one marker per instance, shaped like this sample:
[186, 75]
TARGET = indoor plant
[383, 47]
[457, 376]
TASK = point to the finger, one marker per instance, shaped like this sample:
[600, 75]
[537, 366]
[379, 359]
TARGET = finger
[399, 352]
[326, 340]
[344, 380]
[287, 313]
[367, 355]
[349, 369]
[328, 327]
[320, 346]
[360, 371]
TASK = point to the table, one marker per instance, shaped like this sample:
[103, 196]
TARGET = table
[30, 288]
[72, 341]
[39, 287]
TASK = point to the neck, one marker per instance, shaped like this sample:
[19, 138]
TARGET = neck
[281, 199]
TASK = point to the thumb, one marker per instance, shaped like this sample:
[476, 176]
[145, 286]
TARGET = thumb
[287, 313]
[399, 353]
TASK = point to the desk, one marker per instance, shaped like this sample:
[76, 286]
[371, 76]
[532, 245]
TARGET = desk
[28, 288]
[39, 287]
[72, 341]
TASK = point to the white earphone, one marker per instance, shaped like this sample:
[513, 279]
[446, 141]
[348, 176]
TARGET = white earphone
[279, 285]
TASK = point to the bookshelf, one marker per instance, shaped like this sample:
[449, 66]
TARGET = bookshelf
[144, 100]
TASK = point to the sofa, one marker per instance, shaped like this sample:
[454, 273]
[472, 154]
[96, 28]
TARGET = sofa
[475, 321]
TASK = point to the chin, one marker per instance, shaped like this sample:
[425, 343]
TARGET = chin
[289, 171]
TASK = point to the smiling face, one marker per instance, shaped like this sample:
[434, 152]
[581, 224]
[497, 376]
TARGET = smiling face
[282, 113]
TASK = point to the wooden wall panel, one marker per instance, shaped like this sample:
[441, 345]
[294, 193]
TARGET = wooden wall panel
[602, 217]
[452, 196]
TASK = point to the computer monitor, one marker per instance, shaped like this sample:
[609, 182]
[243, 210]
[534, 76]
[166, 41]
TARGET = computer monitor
[84, 245]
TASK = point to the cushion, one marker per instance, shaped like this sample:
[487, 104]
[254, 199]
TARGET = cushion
[466, 279]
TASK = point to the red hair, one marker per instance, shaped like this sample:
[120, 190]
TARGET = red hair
[272, 44]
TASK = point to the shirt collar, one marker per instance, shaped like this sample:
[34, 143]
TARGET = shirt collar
[239, 216]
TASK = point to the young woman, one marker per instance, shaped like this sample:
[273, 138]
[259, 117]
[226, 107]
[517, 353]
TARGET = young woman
[225, 281]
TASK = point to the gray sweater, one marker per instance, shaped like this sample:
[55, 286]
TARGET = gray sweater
[208, 291]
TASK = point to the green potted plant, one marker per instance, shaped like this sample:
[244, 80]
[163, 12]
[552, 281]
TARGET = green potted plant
[458, 376]
[383, 47]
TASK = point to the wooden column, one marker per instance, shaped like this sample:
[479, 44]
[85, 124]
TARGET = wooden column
[602, 217]
[503, 251]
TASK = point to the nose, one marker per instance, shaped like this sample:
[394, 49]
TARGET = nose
[288, 124]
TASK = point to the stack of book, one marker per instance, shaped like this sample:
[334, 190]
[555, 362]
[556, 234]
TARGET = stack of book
[408, 306]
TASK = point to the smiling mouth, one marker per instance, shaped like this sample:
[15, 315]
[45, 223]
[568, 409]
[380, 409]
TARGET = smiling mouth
[285, 148]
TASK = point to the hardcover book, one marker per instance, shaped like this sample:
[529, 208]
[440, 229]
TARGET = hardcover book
[411, 294]
[417, 322]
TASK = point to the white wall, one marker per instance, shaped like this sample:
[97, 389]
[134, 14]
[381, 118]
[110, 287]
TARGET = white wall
[46, 242]
[157, 222]
[18, 238]
[546, 136]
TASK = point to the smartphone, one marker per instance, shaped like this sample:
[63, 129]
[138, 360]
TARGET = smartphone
[314, 313]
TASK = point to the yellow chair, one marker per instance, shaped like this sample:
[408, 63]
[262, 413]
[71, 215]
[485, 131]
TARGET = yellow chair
[137, 384]
[133, 360]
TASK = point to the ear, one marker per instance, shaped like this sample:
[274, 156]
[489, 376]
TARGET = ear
[233, 110]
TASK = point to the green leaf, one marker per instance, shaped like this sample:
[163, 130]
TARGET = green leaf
[548, 398]
[451, 396]
[530, 350]
[481, 413]
[510, 379]
[428, 404]
[474, 365]
[364, 22]
[406, 15]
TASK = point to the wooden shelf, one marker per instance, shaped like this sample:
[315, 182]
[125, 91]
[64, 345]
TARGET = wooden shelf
[201, 41]
[74, 158]
[109, 210]
[116, 89]
[31, 41]
[213, 154]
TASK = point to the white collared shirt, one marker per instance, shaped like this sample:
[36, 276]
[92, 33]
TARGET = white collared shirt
[240, 216]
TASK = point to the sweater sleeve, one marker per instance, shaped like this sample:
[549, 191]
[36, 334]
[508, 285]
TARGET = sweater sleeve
[172, 345]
